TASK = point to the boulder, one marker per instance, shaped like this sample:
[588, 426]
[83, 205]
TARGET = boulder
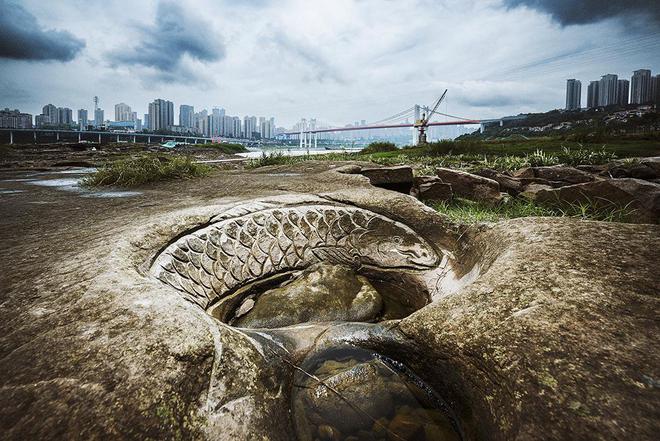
[532, 190]
[392, 178]
[509, 184]
[593, 169]
[471, 186]
[644, 171]
[633, 194]
[435, 191]
[321, 293]
[350, 169]
[561, 174]
[431, 188]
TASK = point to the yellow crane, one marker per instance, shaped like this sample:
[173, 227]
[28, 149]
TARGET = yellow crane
[423, 124]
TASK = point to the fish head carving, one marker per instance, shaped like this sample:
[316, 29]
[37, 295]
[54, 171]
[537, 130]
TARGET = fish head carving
[395, 245]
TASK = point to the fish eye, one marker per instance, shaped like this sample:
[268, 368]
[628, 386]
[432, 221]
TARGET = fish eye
[397, 240]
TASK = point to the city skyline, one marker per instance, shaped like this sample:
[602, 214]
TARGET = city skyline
[642, 88]
[339, 63]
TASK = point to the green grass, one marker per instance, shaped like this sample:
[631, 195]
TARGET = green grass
[143, 169]
[228, 147]
[379, 147]
[469, 212]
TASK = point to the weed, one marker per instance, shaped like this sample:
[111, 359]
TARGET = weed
[135, 171]
[470, 212]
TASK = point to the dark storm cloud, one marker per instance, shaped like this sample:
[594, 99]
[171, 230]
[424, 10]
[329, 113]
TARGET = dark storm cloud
[164, 44]
[22, 38]
[569, 12]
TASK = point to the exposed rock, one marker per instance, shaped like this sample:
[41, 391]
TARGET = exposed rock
[550, 330]
[644, 171]
[432, 191]
[633, 194]
[349, 169]
[509, 184]
[532, 190]
[555, 339]
[392, 178]
[593, 169]
[558, 173]
[471, 186]
[321, 293]
[653, 162]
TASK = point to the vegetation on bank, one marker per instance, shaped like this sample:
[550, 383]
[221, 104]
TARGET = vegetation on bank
[379, 147]
[470, 212]
[228, 147]
[144, 169]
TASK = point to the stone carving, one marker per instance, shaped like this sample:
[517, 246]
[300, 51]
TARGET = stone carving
[209, 263]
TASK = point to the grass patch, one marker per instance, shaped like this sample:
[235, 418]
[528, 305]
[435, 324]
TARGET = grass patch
[379, 147]
[470, 212]
[143, 169]
[228, 147]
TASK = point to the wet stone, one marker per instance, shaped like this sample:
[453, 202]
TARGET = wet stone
[360, 398]
[321, 293]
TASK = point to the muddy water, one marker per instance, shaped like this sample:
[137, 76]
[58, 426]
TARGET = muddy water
[352, 394]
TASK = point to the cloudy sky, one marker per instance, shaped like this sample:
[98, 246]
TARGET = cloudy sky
[338, 61]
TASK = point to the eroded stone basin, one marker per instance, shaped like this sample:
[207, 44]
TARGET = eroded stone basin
[290, 276]
[269, 266]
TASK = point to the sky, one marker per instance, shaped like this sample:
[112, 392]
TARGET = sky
[338, 61]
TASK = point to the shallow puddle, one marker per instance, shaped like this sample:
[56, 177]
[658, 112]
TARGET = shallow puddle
[352, 394]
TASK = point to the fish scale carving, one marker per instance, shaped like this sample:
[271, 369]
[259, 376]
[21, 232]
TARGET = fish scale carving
[209, 263]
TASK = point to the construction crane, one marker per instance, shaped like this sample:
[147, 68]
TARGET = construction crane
[423, 124]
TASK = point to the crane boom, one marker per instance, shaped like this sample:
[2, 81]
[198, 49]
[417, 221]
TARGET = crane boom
[435, 107]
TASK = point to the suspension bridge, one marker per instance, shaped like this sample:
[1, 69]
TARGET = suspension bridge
[421, 117]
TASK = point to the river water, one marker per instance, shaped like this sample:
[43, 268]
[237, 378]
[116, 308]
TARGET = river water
[256, 153]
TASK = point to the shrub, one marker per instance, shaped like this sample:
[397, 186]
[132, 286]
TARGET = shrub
[584, 156]
[379, 147]
[143, 169]
[229, 147]
[539, 158]
[448, 147]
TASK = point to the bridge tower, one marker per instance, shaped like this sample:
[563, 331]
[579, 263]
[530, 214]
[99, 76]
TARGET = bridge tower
[416, 117]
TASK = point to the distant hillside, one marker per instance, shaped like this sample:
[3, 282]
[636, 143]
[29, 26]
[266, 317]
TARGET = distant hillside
[586, 125]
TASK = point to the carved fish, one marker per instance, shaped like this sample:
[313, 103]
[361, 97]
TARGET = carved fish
[209, 263]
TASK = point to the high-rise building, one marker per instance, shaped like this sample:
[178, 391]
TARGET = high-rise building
[51, 115]
[186, 116]
[250, 126]
[123, 112]
[266, 127]
[573, 94]
[623, 89]
[655, 89]
[607, 90]
[201, 123]
[161, 115]
[227, 126]
[98, 117]
[146, 122]
[65, 116]
[640, 87]
[236, 126]
[13, 119]
[82, 119]
[592, 95]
